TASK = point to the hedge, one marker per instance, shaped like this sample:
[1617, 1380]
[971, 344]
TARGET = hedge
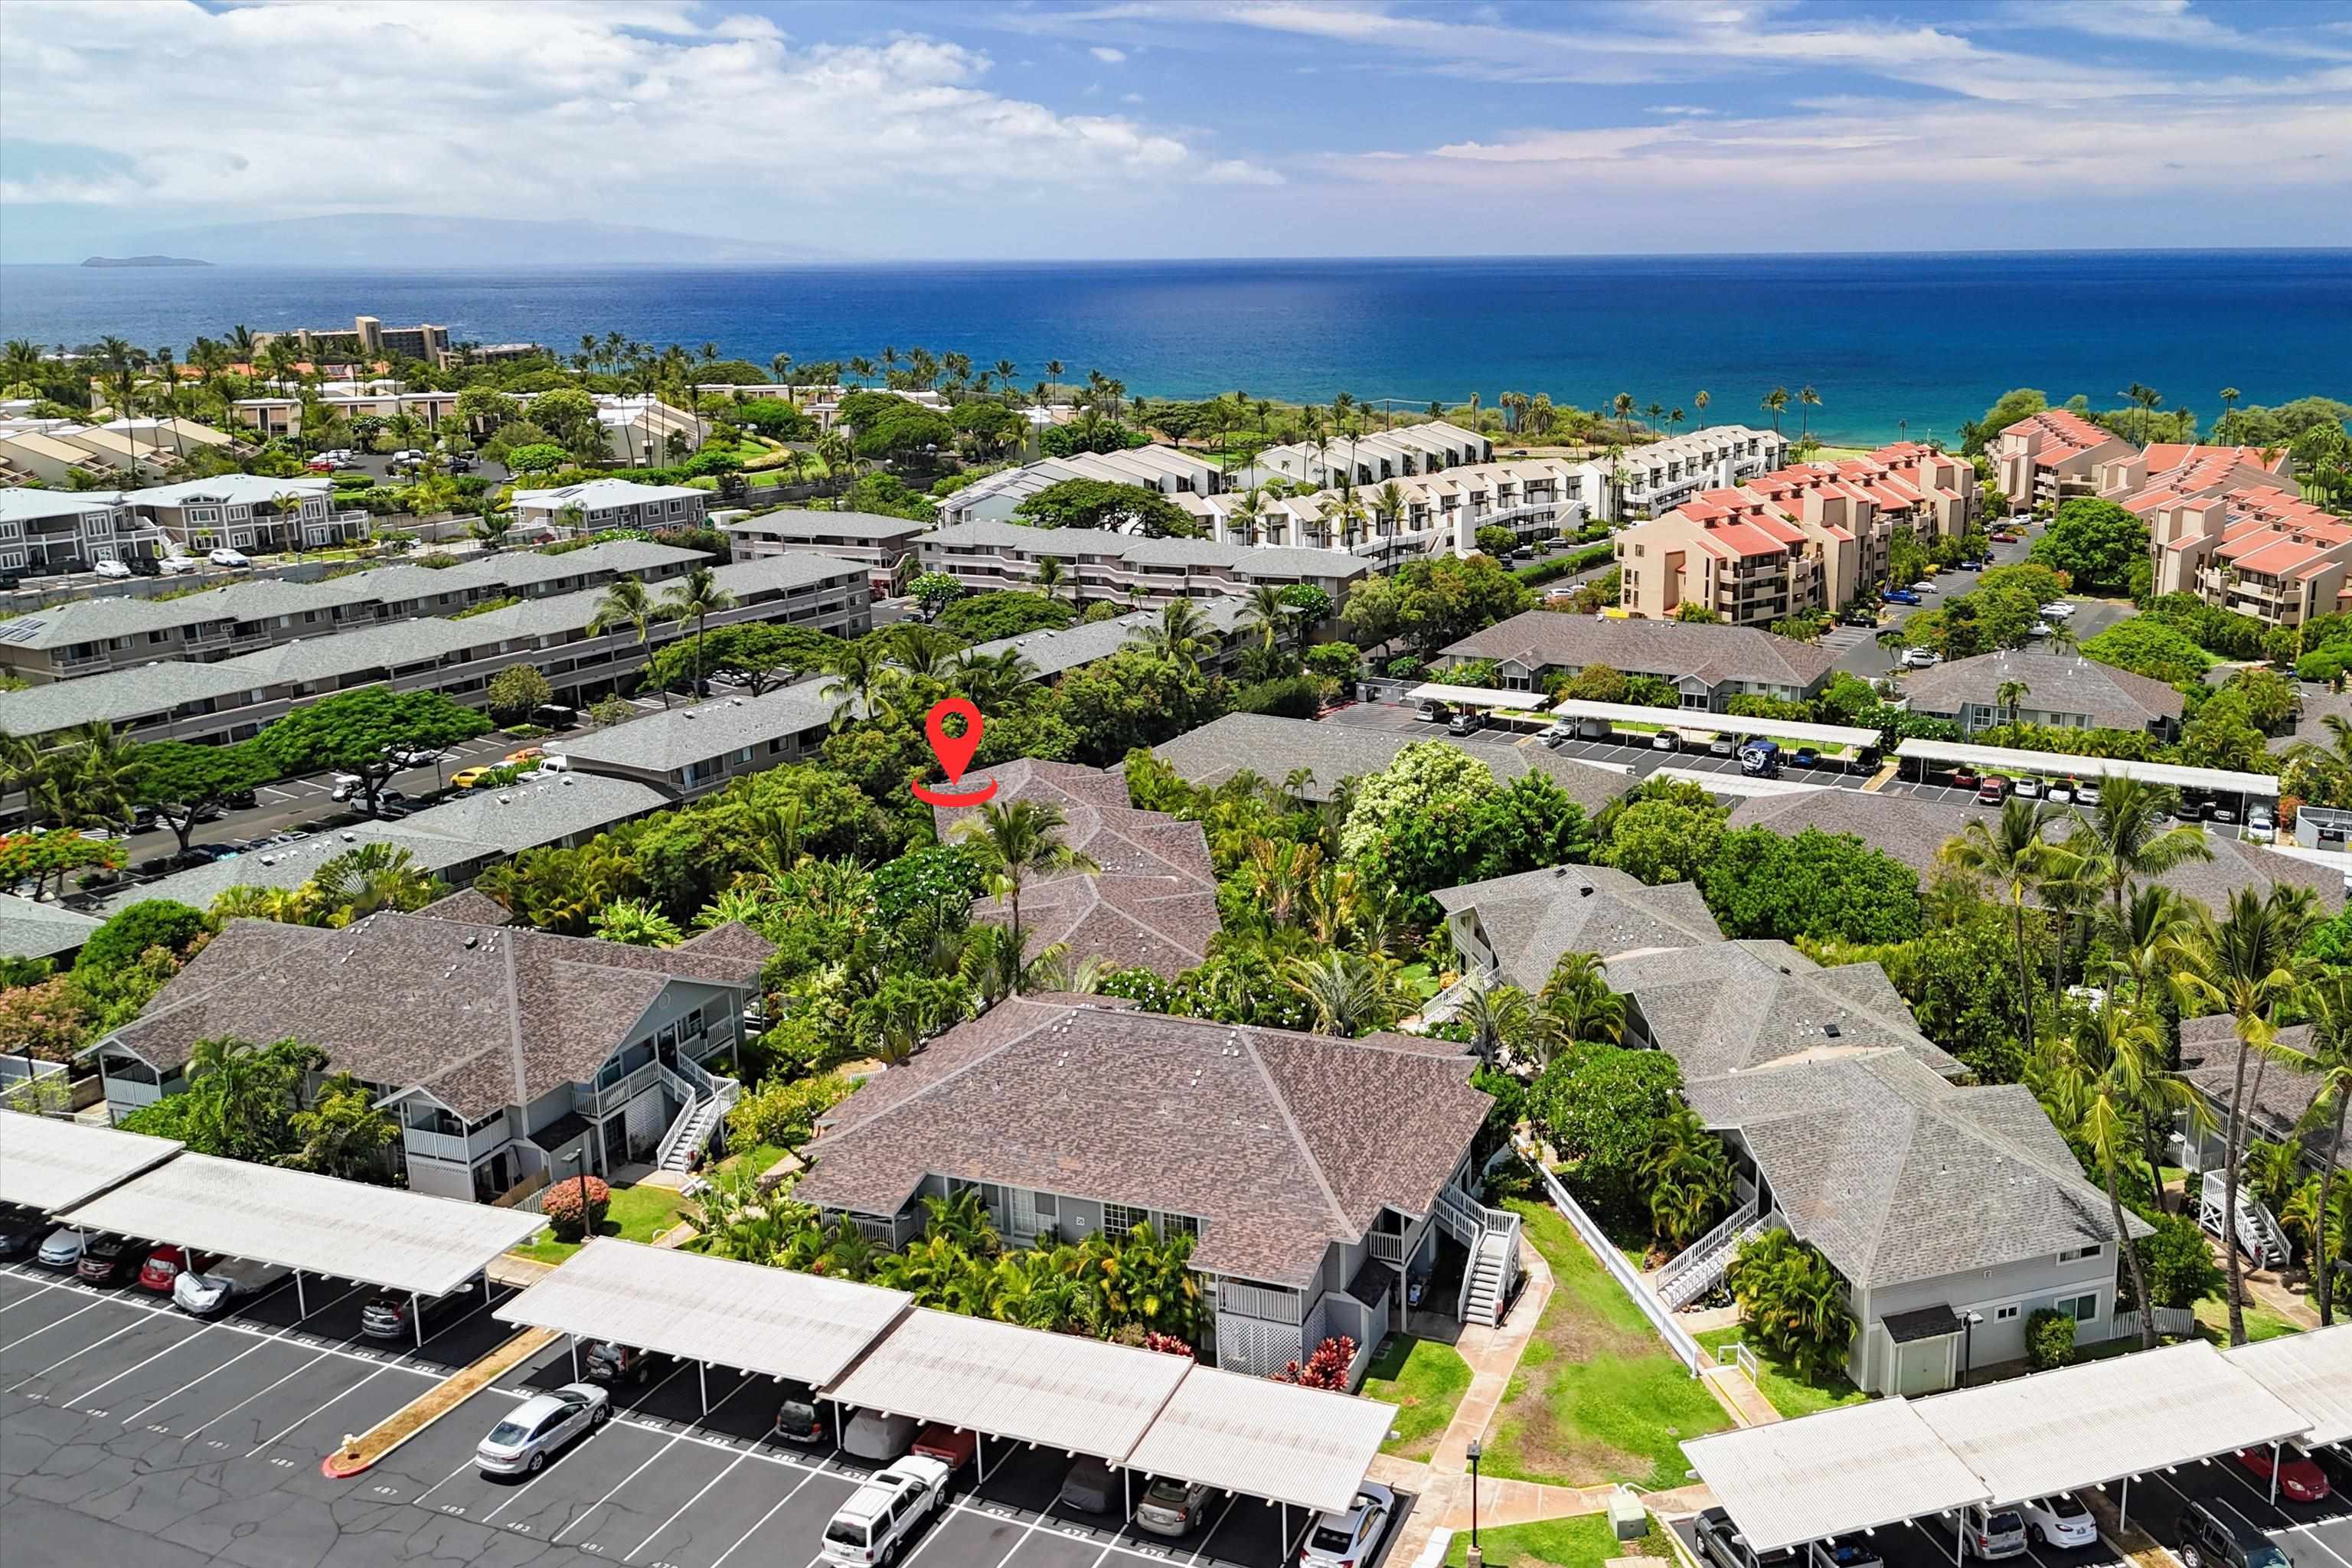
[1545, 571]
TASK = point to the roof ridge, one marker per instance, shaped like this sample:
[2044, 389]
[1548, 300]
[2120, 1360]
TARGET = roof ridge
[951, 1075]
[1297, 1135]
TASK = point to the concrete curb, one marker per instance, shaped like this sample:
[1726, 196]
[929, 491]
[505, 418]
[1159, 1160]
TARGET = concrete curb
[362, 1453]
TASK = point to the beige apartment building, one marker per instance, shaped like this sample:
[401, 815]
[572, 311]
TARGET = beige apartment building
[2052, 456]
[367, 338]
[2265, 552]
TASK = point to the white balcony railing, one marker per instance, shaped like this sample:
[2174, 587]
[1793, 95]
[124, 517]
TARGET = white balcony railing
[1260, 1301]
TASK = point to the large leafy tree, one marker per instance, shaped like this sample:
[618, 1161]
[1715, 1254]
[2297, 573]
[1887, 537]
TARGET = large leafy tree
[240, 1101]
[1761, 884]
[342, 1133]
[2096, 542]
[359, 733]
[1100, 503]
[185, 781]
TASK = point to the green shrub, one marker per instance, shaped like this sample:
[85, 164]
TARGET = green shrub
[575, 1205]
[2048, 1339]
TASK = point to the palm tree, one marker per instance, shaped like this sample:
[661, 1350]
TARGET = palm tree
[695, 597]
[1348, 993]
[1262, 612]
[1623, 407]
[1808, 400]
[2145, 399]
[2125, 837]
[100, 776]
[625, 603]
[1688, 1175]
[1576, 1007]
[1495, 1015]
[2329, 1006]
[1774, 402]
[2013, 854]
[2244, 964]
[2009, 694]
[859, 672]
[1180, 634]
[1015, 840]
[373, 877]
[1700, 403]
[2230, 396]
[992, 681]
[1051, 575]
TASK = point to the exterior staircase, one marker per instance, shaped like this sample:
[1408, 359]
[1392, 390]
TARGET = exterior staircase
[2257, 1231]
[1700, 1265]
[1492, 1239]
[1489, 1279]
[703, 1104]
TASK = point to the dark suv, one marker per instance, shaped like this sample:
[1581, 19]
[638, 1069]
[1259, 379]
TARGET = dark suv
[111, 1259]
[800, 1418]
[1720, 1543]
[2215, 1535]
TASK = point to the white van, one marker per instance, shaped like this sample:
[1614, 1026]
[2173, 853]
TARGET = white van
[874, 1524]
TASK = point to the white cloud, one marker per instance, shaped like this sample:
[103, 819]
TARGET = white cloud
[616, 108]
[1235, 172]
[1109, 57]
[1685, 110]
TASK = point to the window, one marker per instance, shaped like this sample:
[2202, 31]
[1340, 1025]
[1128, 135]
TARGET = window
[1119, 1219]
[2005, 1315]
[1181, 1225]
[2082, 1308]
[1048, 1207]
[2072, 1253]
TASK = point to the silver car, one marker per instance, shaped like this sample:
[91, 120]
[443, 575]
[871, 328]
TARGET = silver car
[1172, 1507]
[520, 1445]
[63, 1248]
[202, 1293]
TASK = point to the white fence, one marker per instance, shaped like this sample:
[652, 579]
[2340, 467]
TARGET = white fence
[2178, 1322]
[1678, 1340]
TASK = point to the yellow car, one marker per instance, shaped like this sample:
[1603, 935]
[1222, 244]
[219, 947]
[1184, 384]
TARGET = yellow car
[467, 778]
[528, 755]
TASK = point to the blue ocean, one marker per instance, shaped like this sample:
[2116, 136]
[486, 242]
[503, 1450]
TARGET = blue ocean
[1912, 344]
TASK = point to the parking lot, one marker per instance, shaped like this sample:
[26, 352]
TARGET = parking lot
[2313, 1535]
[1404, 719]
[122, 1419]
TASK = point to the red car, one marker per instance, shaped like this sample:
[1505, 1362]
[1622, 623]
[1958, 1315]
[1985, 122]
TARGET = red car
[1964, 778]
[2299, 1476]
[163, 1266]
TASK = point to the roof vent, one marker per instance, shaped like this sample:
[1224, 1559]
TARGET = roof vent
[470, 942]
[1585, 891]
[1830, 1030]
[349, 837]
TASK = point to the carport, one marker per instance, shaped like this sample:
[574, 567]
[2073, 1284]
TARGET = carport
[50, 1164]
[398, 1240]
[2050, 765]
[769, 1323]
[1719, 723]
[1053, 1391]
[1476, 697]
[2105, 1421]
[2311, 1373]
[1288, 1444]
[1849, 1472]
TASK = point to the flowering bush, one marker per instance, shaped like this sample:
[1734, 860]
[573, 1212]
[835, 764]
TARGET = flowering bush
[575, 1206]
[1327, 1368]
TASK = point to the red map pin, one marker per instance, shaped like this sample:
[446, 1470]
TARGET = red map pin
[954, 752]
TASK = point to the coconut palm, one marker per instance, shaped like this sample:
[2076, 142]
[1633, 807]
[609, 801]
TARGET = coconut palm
[1808, 400]
[925, 652]
[1262, 612]
[1576, 1007]
[695, 597]
[1700, 403]
[1495, 1015]
[1051, 575]
[2014, 855]
[1348, 993]
[1180, 634]
[2009, 694]
[992, 681]
[625, 603]
[2329, 1008]
[99, 776]
[1774, 402]
[2244, 964]
[1016, 840]
[858, 674]
[2126, 836]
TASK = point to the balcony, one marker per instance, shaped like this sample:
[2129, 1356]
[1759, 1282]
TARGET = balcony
[593, 1103]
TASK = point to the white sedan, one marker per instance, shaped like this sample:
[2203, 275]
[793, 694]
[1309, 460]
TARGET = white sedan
[228, 558]
[1351, 1537]
[111, 568]
[2060, 1520]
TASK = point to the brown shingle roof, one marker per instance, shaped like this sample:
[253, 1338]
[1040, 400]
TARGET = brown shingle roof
[1153, 905]
[1669, 649]
[479, 1016]
[1279, 1144]
[2055, 683]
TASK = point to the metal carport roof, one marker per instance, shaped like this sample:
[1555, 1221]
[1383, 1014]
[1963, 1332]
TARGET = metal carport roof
[1855, 1468]
[1476, 697]
[379, 1235]
[48, 1163]
[2311, 1373]
[770, 1321]
[1058, 1390]
[1716, 723]
[1266, 1440]
[2100, 1421]
[2172, 775]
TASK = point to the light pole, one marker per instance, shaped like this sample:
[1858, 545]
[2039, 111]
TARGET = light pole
[1968, 1345]
[579, 1156]
[1477, 1558]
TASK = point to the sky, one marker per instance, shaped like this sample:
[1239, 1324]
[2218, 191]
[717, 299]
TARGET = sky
[1195, 128]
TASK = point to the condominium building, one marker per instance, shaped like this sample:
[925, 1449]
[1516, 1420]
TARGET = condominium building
[249, 512]
[456, 656]
[595, 505]
[283, 415]
[2170, 470]
[367, 338]
[885, 545]
[994, 497]
[1401, 520]
[2262, 552]
[85, 637]
[1646, 480]
[1808, 536]
[2059, 690]
[2051, 457]
[1370, 459]
[1099, 564]
[645, 432]
[1708, 665]
[52, 530]
[33, 453]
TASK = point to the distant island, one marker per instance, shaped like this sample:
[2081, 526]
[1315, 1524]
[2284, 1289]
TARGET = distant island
[144, 261]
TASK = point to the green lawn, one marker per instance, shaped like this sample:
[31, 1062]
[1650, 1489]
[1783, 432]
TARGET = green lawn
[1424, 1379]
[1597, 1397]
[758, 1158]
[2262, 1323]
[1584, 1541]
[1791, 1394]
[635, 1213]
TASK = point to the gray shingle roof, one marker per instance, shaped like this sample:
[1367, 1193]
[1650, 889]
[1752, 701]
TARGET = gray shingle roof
[2114, 699]
[1668, 650]
[1739, 1007]
[795, 523]
[1269, 1139]
[544, 811]
[1533, 918]
[30, 929]
[522, 568]
[1899, 1177]
[1071, 543]
[2278, 1092]
[667, 742]
[481, 1016]
[117, 696]
[1154, 904]
[386, 645]
[1272, 748]
[793, 569]
[291, 865]
[1058, 650]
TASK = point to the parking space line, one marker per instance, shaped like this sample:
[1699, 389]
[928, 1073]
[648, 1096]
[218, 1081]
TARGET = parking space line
[1230, 1500]
[62, 1361]
[762, 1520]
[257, 1346]
[262, 1332]
[656, 1454]
[45, 1328]
[2228, 1466]
[593, 1433]
[697, 1497]
[118, 1377]
[399, 1364]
